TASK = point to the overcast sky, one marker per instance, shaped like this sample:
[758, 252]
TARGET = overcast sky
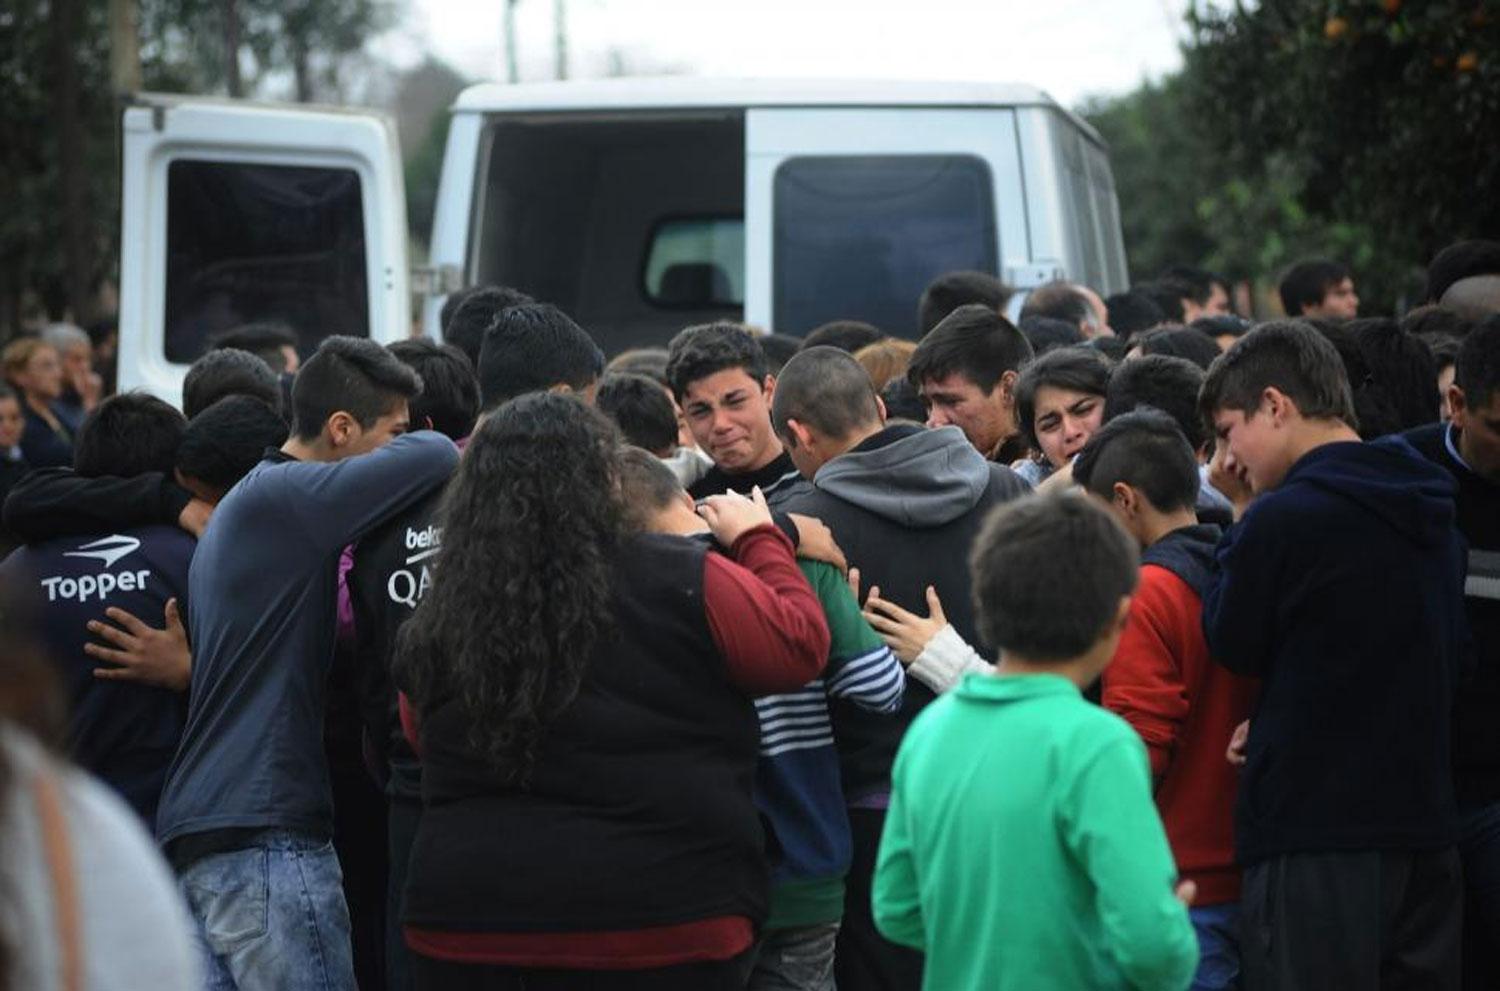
[1071, 48]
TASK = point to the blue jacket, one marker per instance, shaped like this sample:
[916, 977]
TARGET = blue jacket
[1342, 590]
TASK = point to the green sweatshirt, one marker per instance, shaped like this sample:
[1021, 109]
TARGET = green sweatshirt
[1022, 849]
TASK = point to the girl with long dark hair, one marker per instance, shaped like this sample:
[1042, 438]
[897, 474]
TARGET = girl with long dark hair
[587, 734]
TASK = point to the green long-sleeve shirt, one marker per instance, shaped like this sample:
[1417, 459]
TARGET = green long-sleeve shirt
[1022, 849]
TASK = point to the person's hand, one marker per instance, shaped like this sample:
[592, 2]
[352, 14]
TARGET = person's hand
[1237, 740]
[143, 653]
[1231, 482]
[1187, 893]
[194, 516]
[1059, 479]
[88, 385]
[815, 542]
[731, 515]
[905, 632]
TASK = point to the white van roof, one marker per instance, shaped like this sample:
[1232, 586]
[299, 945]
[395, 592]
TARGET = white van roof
[695, 92]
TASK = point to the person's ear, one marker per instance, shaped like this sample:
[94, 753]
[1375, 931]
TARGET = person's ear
[1007, 385]
[880, 409]
[1122, 615]
[1458, 406]
[340, 429]
[768, 388]
[1275, 404]
[799, 432]
[687, 501]
[1124, 497]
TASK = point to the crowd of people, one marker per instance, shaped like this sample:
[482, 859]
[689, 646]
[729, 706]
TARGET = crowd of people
[1129, 645]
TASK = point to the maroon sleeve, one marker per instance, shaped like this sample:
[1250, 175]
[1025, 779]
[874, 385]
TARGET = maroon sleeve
[410, 723]
[765, 618]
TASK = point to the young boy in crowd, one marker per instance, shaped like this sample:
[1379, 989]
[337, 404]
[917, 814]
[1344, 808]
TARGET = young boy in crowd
[1162, 681]
[1021, 849]
[1341, 588]
[1468, 448]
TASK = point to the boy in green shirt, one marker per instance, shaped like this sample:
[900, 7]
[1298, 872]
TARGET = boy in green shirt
[1022, 848]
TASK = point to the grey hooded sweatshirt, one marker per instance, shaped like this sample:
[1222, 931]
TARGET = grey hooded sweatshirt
[905, 505]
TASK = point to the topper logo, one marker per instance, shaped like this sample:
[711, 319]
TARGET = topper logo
[107, 549]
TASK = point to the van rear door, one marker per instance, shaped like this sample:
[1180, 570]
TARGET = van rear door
[850, 212]
[236, 213]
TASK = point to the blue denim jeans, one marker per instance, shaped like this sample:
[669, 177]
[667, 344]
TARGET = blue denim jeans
[1218, 929]
[272, 916]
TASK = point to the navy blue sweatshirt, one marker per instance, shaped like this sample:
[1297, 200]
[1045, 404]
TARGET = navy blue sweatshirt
[263, 613]
[1342, 590]
[123, 732]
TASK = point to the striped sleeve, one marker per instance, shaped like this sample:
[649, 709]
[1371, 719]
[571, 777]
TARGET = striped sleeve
[861, 668]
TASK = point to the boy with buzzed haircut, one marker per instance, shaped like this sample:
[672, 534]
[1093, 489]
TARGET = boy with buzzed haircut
[1162, 680]
[1341, 588]
[1022, 849]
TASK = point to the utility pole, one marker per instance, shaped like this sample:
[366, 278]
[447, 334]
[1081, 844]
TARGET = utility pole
[560, 36]
[232, 48]
[124, 47]
[512, 71]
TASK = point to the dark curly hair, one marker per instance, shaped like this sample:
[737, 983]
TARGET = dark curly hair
[522, 587]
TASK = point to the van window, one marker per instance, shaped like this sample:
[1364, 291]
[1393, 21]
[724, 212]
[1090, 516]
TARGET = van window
[263, 242]
[859, 237]
[696, 263]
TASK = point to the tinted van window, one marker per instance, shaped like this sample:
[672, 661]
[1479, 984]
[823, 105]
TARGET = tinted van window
[696, 263]
[263, 242]
[859, 237]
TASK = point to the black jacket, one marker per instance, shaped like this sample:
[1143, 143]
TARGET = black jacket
[1342, 590]
[905, 506]
[1476, 717]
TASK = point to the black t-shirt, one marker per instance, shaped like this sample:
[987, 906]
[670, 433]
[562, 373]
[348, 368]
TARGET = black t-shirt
[778, 480]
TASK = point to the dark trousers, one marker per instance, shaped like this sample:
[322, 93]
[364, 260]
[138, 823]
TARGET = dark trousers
[401, 830]
[1360, 921]
[439, 975]
[1479, 845]
[864, 960]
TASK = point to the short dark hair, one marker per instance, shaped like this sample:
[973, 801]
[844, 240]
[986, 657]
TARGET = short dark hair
[263, 338]
[1224, 325]
[1162, 382]
[1168, 295]
[127, 435]
[450, 305]
[902, 402]
[1458, 261]
[826, 389]
[1079, 369]
[647, 485]
[1179, 342]
[350, 374]
[846, 335]
[1289, 355]
[1433, 320]
[531, 347]
[640, 408]
[1132, 312]
[778, 349]
[1049, 573]
[475, 315]
[1307, 282]
[1060, 301]
[1200, 281]
[951, 290]
[973, 341]
[450, 391]
[703, 350]
[1444, 350]
[1477, 371]
[222, 443]
[1146, 450]
[1046, 333]
[1114, 349]
[1400, 368]
[228, 372]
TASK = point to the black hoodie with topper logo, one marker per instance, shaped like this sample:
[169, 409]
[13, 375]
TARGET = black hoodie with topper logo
[1342, 590]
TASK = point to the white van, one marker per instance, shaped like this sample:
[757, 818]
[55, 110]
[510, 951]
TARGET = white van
[639, 206]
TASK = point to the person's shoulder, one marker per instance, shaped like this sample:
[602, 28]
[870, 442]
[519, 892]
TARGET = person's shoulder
[1095, 732]
[1429, 441]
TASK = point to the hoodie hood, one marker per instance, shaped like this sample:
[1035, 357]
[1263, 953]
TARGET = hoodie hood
[914, 477]
[1188, 553]
[1388, 479]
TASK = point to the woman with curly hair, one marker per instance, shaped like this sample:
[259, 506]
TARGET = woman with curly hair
[586, 729]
